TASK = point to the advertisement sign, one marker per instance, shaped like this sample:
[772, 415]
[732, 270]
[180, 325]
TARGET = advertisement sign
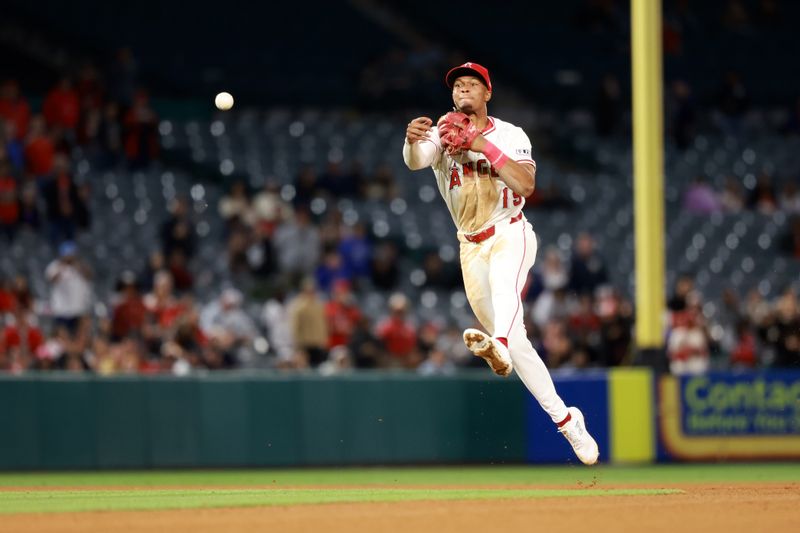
[731, 416]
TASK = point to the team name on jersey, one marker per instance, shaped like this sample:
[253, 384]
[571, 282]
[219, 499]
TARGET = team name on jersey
[478, 169]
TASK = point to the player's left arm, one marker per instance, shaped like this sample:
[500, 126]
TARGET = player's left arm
[518, 175]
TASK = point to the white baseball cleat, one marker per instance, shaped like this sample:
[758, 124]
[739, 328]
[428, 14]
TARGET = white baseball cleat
[578, 436]
[490, 349]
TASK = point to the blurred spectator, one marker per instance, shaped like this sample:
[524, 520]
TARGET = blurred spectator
[188, 347]
[130, 313]
[700, 198]
[21, 291]
[109, 136]
[71, 290]
[336, 183]
[684, 285]
[308, 324]
[356, 250]
[451, 342]
[587, 270]
[762, 197]
[13, 146]
[608, 107]
[21, 339]
[682, 114]
[558, 349]
[732, 198]
[9, 203]
[275, 315]
[728, 318]
[398, 334]
[790, 242]
[61, 107]
[66, 210]
[14, 107]
[181, 275]
[305, 187]
[616, 325]
[367, 350]
[383, 270]
[297, 245]
[229, 327]
[239, 242]
[789, 199]
[745, 352]
[177, 232]
[331, 270]
[554, 273]
[89, 87]
[269, 209]
[155, 263]
[140, 132]
[330, 229]
[440, 275]
[339, 361]
[381, 186]
[584, 326]
[436, 364]
[39, 149]
[785, 333]
[8, 302]
[163, 310]
[551, 305]
[426, 337]
[688, 342]
[235, 206]
[29, 213]
[342, 314]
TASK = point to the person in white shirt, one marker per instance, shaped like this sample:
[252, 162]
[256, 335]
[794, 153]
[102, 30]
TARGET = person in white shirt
[484, 172]
[70, 288]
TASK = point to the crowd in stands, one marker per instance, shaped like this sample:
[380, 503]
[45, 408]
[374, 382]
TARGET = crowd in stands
[311, 270]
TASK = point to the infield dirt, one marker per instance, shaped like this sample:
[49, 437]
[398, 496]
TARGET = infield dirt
[723, 508]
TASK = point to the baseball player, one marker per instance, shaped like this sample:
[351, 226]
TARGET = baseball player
[484, 171]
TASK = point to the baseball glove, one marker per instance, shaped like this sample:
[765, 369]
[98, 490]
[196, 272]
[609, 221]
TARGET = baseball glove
[456, 132]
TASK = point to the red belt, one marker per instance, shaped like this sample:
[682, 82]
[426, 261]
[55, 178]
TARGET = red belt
[488, 232]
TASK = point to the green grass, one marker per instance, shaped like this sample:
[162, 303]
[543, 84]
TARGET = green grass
[482, 475]
[237, 488]
[156, 499]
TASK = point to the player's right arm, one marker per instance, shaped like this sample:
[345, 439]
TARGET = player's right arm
[421, 147]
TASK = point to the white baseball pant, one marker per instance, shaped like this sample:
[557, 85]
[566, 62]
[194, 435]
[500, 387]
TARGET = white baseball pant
[495, 271]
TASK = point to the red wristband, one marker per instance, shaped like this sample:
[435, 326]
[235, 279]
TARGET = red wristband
[496, 157]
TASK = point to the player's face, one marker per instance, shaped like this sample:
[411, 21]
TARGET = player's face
[470, 94]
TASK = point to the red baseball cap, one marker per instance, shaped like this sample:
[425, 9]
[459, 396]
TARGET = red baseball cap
[469, 69]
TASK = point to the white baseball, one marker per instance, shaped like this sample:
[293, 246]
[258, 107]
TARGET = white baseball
[223, 101]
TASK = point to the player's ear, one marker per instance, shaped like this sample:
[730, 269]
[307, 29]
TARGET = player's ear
[487, 96]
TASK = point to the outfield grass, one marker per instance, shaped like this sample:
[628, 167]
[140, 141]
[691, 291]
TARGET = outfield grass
[53, 501]
[136, 490]
[481, 475]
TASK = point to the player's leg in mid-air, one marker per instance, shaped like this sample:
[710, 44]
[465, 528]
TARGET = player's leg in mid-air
[493, 277]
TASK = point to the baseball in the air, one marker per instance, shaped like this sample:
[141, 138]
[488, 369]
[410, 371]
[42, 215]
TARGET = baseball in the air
[223, 101]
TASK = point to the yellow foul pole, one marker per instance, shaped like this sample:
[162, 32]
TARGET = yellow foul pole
[648, 167]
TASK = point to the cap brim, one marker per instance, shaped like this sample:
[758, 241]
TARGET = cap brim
[457, 72]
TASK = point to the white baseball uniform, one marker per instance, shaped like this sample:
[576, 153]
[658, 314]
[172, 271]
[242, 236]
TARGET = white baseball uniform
[498, 245]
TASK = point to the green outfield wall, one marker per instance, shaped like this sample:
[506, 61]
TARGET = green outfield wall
[60, 421]
[66, 422]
